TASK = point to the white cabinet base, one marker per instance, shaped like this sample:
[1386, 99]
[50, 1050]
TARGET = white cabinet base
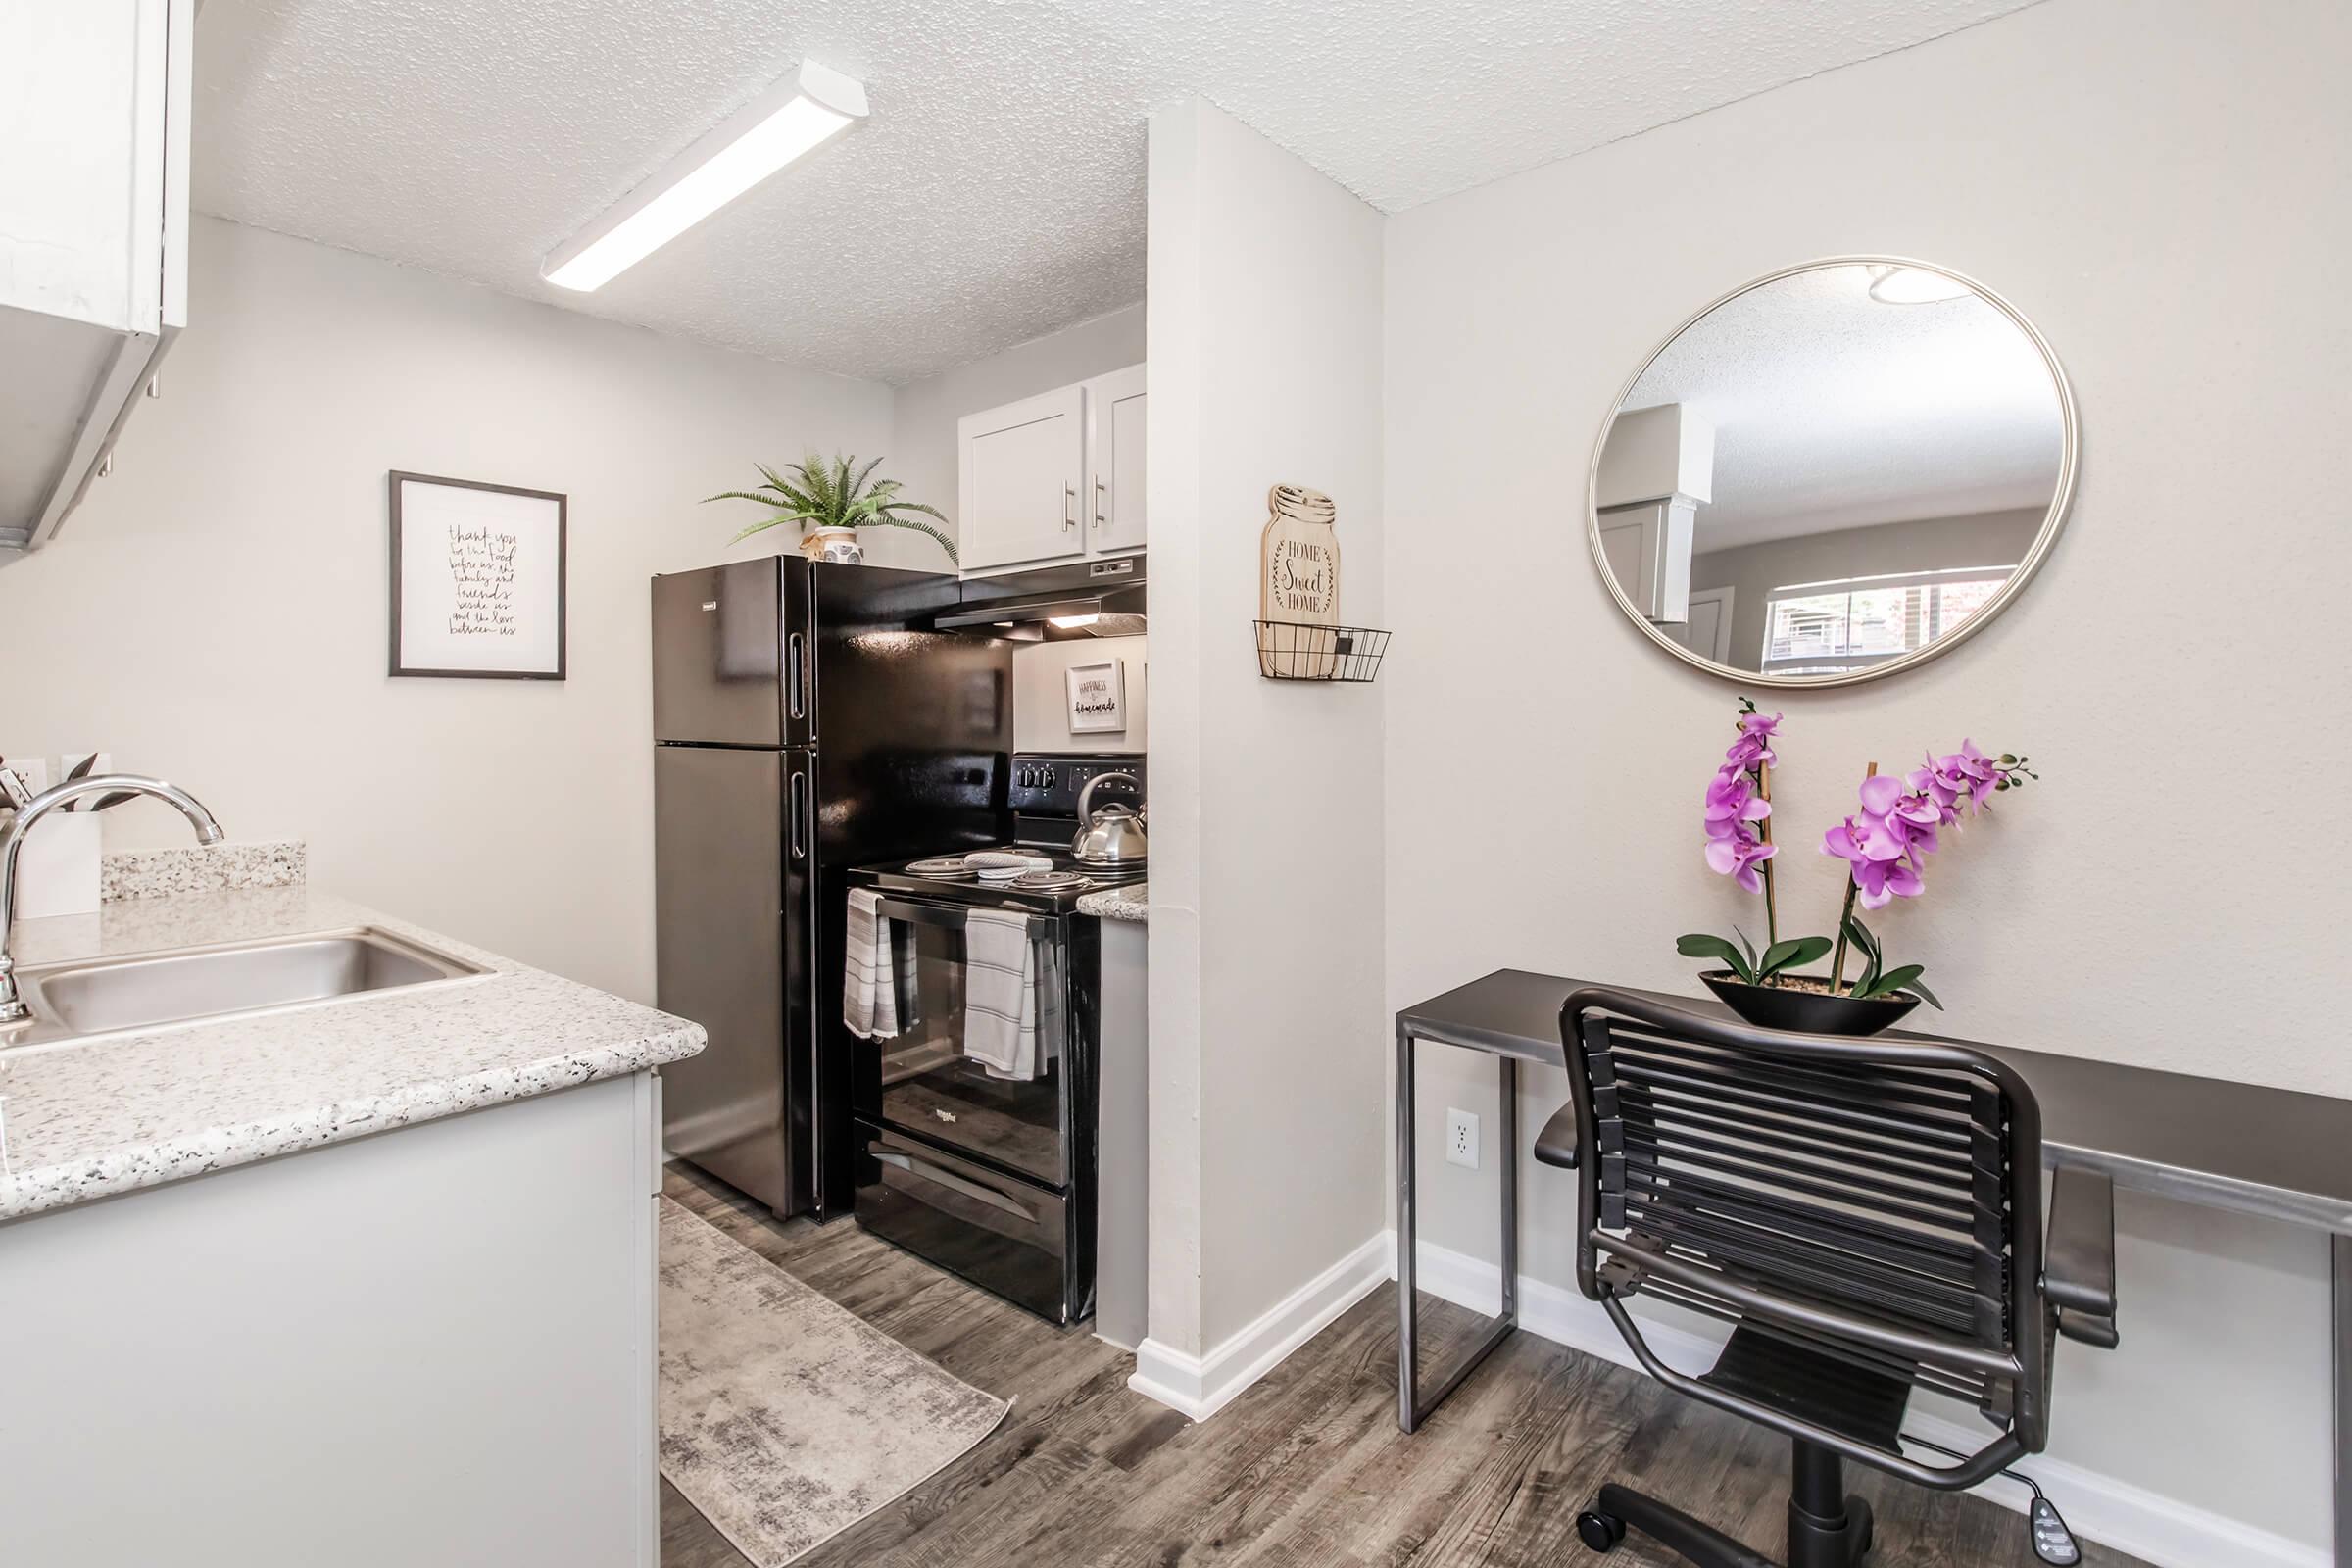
[435, 1346]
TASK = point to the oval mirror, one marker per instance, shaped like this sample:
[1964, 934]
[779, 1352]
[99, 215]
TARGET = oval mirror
[1832, 474]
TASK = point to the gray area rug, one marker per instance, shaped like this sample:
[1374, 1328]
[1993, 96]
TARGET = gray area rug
[785, 1418]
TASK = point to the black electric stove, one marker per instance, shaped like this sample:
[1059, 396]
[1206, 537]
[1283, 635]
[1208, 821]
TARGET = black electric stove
[988, 1175]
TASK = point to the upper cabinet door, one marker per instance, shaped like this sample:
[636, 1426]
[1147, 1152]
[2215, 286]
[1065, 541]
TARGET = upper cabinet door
[95, 103]
[1022, 469]
[1114, 447]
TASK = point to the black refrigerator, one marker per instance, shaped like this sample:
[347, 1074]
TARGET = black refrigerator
[803, 722]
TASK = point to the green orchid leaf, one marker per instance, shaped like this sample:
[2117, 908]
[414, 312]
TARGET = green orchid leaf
[1925, 995]
[1746, 946]
[1861, 936]
[1702, 945]
[1792, 953]
[1892, 981]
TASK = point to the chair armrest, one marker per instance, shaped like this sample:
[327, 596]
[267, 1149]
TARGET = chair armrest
[1556, 1143]
[2078, 1270]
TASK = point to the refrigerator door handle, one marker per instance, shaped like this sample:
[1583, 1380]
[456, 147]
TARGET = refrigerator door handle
[795, 675]
[801, 825]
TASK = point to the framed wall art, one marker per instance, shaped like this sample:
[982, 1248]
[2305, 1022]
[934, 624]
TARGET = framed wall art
[1098, 697]
[477, 579]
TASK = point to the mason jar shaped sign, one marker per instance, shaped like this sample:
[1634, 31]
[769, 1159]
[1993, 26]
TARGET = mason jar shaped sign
[1298, 578]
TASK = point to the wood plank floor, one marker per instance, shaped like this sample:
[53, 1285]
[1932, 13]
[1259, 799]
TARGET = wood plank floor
[1308, 1468]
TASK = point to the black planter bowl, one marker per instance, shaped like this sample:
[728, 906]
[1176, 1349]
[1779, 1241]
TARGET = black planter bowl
[1809, 1012]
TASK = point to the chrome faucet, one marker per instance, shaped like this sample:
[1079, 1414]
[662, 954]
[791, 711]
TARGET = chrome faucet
[12, 840]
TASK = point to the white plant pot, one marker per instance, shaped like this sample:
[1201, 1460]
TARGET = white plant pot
[57, 866]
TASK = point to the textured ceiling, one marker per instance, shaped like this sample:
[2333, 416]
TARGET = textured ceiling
[1832, 411]
[996, 194]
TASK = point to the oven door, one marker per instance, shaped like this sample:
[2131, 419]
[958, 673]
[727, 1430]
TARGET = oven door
[923, 1082]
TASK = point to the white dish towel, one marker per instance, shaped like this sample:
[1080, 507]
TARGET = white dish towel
[1000, 992]
[869, 984]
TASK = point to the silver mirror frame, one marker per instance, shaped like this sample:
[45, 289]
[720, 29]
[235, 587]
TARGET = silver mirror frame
[2052, 522]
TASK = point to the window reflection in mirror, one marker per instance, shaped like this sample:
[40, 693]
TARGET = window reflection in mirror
[1831, 471]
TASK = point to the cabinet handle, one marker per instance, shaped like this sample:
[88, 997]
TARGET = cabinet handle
[1100, 519]
[1069, 499]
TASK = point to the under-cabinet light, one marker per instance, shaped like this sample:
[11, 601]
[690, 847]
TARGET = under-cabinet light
[807, 107]
[1066, 622]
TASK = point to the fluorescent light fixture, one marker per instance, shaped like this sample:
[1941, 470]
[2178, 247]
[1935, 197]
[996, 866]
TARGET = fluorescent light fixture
[807, 107]
[1913, 285]
[1066, 622]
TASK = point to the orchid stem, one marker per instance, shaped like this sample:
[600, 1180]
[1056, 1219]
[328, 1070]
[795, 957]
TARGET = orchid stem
[1846, 917]
[1772, 910]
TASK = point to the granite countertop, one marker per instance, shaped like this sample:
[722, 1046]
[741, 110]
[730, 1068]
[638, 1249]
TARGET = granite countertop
[80, 1122]
[1130, 902]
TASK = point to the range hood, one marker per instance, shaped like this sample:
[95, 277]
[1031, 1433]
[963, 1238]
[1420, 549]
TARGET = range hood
[1085, 598]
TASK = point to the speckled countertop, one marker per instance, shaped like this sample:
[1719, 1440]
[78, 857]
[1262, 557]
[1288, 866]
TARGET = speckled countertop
[1130, 902]
[84, 1121]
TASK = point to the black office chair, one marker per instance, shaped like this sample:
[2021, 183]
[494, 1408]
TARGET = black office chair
[1866, 1215]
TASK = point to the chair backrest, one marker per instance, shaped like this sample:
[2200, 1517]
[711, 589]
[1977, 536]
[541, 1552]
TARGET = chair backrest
[1881, 1198]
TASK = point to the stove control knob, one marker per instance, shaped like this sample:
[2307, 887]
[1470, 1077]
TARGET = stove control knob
[1026, 779]
[1048, 778]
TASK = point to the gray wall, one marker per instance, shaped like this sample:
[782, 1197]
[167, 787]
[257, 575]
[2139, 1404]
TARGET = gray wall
[216, 613]
[1921, 544]
[924, 412]
[2165, 188]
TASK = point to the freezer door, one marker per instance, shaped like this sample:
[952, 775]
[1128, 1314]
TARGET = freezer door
[739, 1108]
[717, 658]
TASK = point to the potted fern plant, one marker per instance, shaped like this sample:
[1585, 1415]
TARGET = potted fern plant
[830, 501]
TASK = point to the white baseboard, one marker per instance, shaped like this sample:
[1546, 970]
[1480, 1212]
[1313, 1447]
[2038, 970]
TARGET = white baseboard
[2098, 1507]
[1202, 1385]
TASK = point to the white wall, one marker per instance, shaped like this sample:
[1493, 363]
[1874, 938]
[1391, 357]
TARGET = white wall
[2166, 189]
[1267, 1039]
[215, 612]
[1041, 705]
[924, 413]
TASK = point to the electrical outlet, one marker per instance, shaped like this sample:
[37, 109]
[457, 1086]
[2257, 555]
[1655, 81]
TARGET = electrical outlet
[1461, 1139]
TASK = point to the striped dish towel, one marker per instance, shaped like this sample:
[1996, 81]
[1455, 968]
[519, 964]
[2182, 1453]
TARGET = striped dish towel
[1000, 992]
[869, 982]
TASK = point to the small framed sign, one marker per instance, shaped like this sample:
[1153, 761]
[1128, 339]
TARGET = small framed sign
[477, 579]
[1098, 697]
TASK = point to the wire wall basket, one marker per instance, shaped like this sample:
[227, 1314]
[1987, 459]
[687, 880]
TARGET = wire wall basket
[1289, 649]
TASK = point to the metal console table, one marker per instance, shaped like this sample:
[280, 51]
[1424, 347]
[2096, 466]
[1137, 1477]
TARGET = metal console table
[2266, 1151]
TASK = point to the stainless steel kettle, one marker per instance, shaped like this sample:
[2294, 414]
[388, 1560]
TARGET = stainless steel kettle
[1113, 835]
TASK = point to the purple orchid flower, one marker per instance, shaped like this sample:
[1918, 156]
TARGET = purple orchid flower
[1733, 802]
[1740, 854]
[1754, 745]
[1965, 772]
[1879, 857]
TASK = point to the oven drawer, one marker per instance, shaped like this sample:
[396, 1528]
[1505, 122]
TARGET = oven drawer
[1000, 1233]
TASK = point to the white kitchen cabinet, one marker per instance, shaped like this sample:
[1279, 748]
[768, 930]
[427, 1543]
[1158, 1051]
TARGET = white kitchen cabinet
[1114, 462]
[436, 1344]
[1648, 550]
[1018, 479]
[1055, 478]
[94, 108]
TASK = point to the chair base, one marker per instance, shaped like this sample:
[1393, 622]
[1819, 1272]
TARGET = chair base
[1825, 1529]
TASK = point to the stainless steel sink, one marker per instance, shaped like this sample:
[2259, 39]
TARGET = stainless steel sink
[87, 998]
